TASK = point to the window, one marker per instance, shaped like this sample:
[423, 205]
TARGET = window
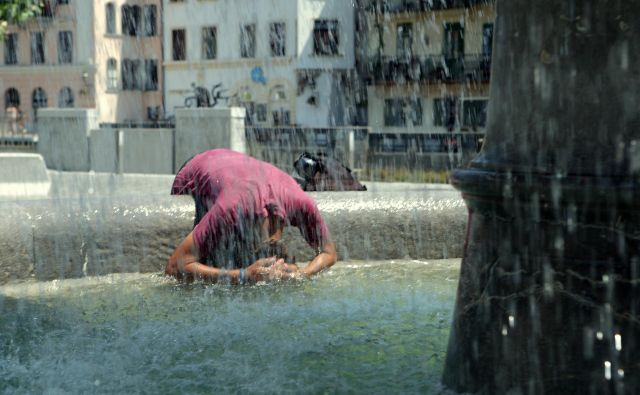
[37, 47]
[325, 37]
[38, 99]
[453, 41]
[487, 40]
[261, 112]
[444, 112]
[209, 42]
[248, 41]
[277, 39]
[474, 113]
[403, 112]
[131, 74]
[179, 44]
[62, 2]
[150, 75]
[393, 143]
[65, 47]
[281, 117]
[404, 41]
[65, 98]
[130, 20]
[110, 14]
[112, 74]
[150, 17]
[11, 49]
[11, 98]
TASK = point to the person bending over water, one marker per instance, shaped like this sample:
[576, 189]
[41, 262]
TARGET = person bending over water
[242, 206]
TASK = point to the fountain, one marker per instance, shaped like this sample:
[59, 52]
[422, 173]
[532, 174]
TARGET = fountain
[548, 297]
[83, 302]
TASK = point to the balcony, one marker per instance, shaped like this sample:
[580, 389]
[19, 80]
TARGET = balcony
[430, 68]
[408, 6]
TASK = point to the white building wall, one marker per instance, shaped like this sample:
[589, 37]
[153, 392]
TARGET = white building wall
[235, 73]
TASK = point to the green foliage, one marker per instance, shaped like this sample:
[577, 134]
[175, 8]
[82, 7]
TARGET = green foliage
[17, 11]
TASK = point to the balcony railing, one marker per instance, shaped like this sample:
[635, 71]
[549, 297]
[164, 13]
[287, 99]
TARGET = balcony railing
[426, 143]
[432, 68]
[406, 6]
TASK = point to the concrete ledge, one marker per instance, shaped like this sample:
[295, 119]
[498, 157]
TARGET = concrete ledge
[98, 224]
[23, 174]
[63, 137]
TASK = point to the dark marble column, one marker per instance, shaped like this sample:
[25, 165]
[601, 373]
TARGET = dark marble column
[549, 293]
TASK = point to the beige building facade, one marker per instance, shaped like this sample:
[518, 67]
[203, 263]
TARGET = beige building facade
[98, 54]
[429, 67]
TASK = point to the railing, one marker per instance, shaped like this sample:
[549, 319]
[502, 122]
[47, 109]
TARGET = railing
[160, 124]
[423, 5]
[430, 68]
[16, 139]
[426, 143]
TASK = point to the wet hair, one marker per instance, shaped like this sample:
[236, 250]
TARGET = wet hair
[271, 248]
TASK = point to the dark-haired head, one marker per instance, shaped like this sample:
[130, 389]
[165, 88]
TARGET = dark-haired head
[271, 248]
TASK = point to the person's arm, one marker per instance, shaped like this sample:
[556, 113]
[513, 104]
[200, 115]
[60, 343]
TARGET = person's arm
[324, 260]
[185, 263]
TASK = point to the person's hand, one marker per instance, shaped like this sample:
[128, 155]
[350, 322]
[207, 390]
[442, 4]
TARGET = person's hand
[283, 266]
[272, 269]
[261, 270]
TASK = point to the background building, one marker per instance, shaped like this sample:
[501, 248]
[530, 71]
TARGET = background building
[428, 72]
[88, 54]
[288, 62]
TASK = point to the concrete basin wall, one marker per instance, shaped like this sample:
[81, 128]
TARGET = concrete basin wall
[93, 224]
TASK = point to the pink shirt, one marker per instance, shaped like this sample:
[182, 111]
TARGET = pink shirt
[235, 187]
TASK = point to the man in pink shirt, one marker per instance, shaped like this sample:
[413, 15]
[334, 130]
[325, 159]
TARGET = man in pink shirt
[242, 204]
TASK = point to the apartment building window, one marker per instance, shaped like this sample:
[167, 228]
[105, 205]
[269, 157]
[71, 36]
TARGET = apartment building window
[325, 37]
[248, 41]
[179, 44]
[444, 112]
[150, 20]
[62, 2]
[487, 40]
[277, 39]
[11, 49]
[150, 75]
[112, 74]
[110, 15]
[131, 74]
[393, 143]
[403, 112]
[404, 40]
[281, 117]
[261, 112]
[38, 99]
[474, 113]
[11, 98]
[453, 41]
[37, 47]
[65, 98]
[65, 47]
[209, 42]
[130, 20]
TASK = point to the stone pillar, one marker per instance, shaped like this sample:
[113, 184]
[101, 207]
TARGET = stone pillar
[549, 292]
[200, 129]
[63, 135]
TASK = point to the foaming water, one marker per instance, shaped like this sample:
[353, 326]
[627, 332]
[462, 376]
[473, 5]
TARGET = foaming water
[361, 327]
